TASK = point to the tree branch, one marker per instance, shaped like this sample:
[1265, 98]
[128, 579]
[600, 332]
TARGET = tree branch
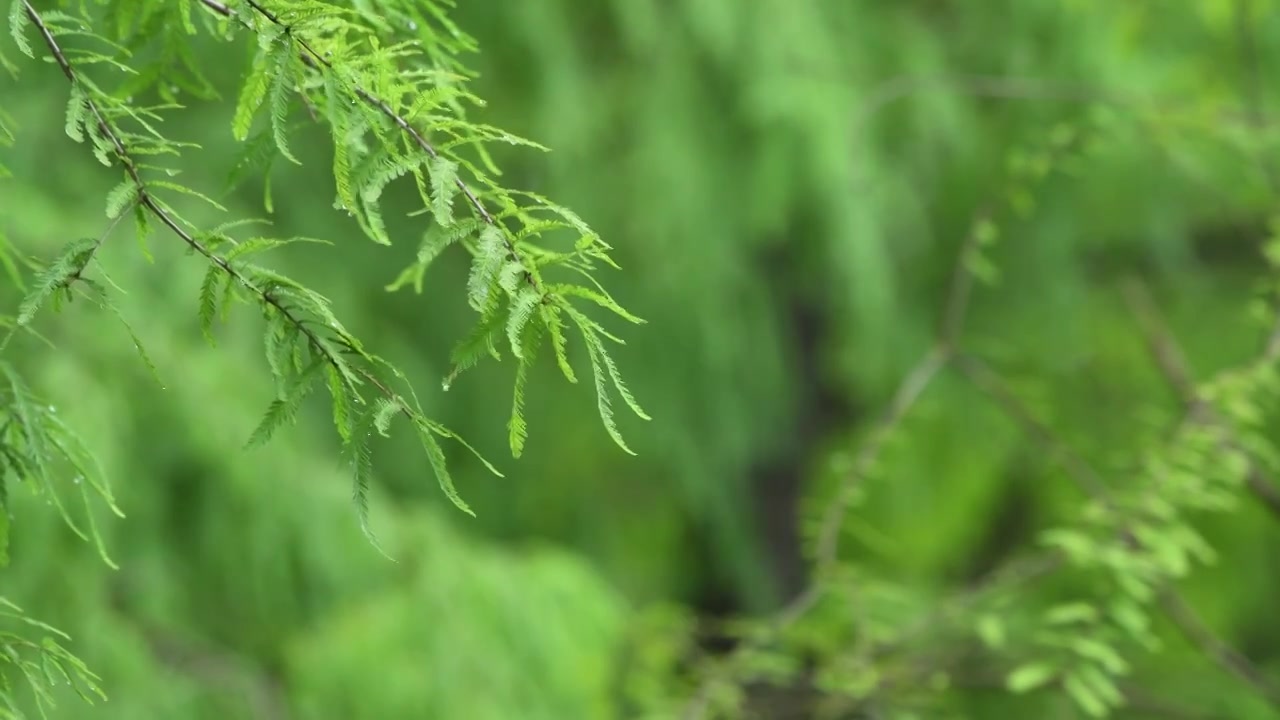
[993, 386]
[1177, 608]
[149, 203]
[1172, 361]
[317, 60]
[1222, 654]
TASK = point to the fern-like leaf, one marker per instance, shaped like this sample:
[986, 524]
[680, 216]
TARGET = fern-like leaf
[252, 94]
[522, 308]
[283, 410]
[360, 458]
[517, 428]
[121, 197]
[55, 277]
[18, 24]
[444, 185]
[342, 400]
[490, 255]
[281, 87]
[435, 455]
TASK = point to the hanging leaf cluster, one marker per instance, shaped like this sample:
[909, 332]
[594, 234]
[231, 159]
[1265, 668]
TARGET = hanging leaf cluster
[388, 80]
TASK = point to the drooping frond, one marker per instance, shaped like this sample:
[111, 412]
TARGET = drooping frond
[395, 103]
[38, 448]
[304, 339]
[387, 80]
[45, 664]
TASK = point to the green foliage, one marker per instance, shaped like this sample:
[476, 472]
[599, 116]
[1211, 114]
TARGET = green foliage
[1127, 546]
[382, 98]
[43, 664]
[41, 450]
[919, 457]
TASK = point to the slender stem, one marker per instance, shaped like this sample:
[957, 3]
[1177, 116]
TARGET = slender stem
[957, 306]
[1172, 361]
[908, 392]
[1222, 654]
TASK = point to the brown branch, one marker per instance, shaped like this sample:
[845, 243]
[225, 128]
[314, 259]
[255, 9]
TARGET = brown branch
[219, 8]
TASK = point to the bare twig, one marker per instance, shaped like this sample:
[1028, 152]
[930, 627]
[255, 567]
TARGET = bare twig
[993, 386]
[957, 307]
[904, 398]
[219, 8]
[1252, 82]
[1160, 341]
[1222, 654]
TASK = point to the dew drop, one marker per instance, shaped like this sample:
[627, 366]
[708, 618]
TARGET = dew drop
[413, 25]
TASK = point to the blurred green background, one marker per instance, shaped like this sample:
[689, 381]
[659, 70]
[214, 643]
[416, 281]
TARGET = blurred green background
[786, 185]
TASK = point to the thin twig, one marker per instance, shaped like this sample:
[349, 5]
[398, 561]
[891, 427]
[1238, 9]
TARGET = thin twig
[1252, 83]
[989, 382]
[1160, 340]
[904, 398]
[990, 86]
[1003, 87]
[1222, 654]
[1172, 362]
[957, 306]
[219, 8]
